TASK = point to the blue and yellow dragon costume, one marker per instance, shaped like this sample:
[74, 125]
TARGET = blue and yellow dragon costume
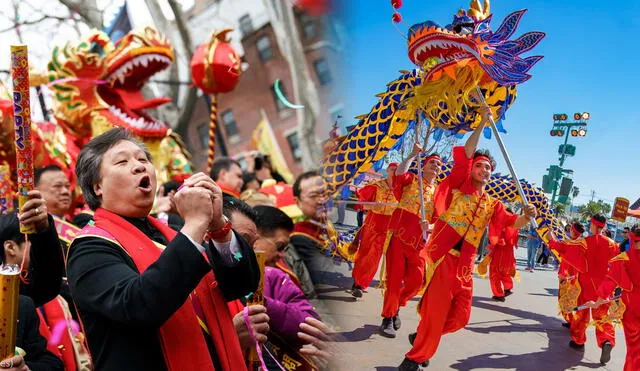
[451, 62]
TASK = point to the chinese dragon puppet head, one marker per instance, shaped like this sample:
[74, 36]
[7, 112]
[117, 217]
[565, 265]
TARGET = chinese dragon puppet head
[97, 85]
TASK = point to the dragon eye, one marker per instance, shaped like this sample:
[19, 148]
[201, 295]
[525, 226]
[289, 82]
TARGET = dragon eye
[464, 28]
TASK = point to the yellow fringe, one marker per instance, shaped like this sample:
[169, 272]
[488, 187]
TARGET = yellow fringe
[428, 275]
[382, 275]
[483, 267]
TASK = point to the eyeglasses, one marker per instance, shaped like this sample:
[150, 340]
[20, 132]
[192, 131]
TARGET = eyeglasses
[279, 246]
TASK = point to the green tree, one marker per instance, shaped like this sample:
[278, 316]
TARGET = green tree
[592, 207]
[560, 209]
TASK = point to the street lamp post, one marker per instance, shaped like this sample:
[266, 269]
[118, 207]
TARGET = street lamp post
[563, 128]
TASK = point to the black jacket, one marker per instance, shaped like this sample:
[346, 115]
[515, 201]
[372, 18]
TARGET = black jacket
[46, 268]
[122, 309]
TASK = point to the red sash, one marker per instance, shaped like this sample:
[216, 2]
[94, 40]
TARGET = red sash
[71, 350]
[66, 231]
[181, 337]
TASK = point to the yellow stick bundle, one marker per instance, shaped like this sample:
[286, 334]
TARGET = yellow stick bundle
[9, 298]
[22, 121]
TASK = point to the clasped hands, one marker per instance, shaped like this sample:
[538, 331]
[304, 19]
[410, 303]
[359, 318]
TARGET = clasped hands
[199, 203]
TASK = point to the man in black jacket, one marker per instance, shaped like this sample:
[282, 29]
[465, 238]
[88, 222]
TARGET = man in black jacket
[132, 280]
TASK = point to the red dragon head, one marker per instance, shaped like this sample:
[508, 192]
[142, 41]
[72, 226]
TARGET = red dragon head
[97, 85]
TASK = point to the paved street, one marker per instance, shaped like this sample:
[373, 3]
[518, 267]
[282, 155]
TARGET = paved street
[524, 333]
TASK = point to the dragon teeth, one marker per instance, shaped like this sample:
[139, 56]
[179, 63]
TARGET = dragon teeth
[142, 60]
[138, 123]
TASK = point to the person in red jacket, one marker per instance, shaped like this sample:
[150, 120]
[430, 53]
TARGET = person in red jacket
[624, 273]
[590, 256]
[464, 210]
[373, 234]
[502, 267]
[567, 275]
[404, 266]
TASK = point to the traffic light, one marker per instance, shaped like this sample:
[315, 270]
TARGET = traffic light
[577, 116]
[565, 186]
[567, 149]
[559, 117]
[556, 133]
[582, 132]
[547, 185]
[574, 133]
[555, 172]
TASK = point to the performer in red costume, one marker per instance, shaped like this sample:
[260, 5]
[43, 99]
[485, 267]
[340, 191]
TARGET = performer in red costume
[502, 268]
[567, 275]
[464, 211]
[373, 233]
[590, 256]
[624, 273]
[404, 266]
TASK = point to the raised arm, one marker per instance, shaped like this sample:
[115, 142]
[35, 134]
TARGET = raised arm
[472, 143]
[406, 163]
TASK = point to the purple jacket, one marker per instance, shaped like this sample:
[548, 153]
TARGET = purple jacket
[286, 304]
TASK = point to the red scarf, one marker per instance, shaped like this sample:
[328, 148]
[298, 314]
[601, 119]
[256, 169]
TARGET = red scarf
[228, 191]
[181, 337]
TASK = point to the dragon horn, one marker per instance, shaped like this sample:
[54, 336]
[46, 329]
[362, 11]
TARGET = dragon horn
[477, 11]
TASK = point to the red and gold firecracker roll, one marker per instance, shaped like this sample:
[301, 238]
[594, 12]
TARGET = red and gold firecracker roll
[22, 121]
[9, 298]
[6, 191]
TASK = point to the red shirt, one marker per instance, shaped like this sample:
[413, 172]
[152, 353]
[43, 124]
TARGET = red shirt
[590, 257]
[463, 214]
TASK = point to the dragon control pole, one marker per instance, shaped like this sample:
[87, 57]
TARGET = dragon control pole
[505, 154]
[422, 211]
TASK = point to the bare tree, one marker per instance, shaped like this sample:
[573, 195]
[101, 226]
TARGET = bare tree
[167, 112]
[304, 90]
[87, 10]
[189, 104]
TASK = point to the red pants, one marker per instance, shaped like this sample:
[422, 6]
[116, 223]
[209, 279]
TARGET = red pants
[369, 253]
[445, 308]
[631, 327]
[581, 319]
[404, 266]
[503, 263]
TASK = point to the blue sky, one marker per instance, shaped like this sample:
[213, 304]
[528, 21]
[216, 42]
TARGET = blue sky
[591, 64]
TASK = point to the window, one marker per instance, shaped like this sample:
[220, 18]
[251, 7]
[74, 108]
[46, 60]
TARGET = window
[264, 48]
[279, 103]
[246, 27]
[295, 146]
[229, 122]
[203, 131]
[322, 70]
[308, 26]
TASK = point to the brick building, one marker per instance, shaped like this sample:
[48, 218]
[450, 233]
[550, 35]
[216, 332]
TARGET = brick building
[241, 110]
